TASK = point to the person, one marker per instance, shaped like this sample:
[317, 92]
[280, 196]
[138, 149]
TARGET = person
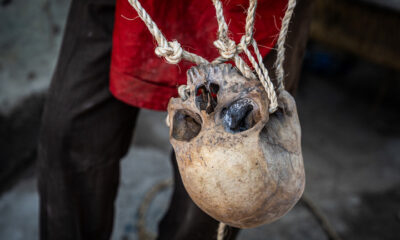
[104, 75]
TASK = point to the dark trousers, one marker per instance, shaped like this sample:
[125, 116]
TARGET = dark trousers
[86, 132]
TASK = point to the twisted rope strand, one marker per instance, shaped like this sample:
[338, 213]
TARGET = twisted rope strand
[250, 19]
[262, 74]
[219, 60]
[173, 52]
[222, 26]
[279, 71]
[270, 87]
[229, 50]
[243, 67]
[221, 231]
[223, 31]
[227, 46]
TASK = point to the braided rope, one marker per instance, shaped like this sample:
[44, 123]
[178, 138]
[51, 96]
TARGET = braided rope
[250, 19]
[173, 52]
[243, 68]
[279, 72]
[226, 46]
[229, 50]
[272, 94]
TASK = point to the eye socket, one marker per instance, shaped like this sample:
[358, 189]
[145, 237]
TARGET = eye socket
[207, 97]
[239, 116]
[186, 125]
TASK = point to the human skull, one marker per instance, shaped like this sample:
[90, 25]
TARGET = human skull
[239, 164]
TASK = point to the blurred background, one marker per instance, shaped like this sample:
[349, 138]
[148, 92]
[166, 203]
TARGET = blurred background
[349, 108]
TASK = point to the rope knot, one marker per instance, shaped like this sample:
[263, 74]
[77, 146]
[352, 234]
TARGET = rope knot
[227, 49]
[172, 52]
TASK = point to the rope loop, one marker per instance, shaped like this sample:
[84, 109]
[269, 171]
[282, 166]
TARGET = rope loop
[184, 92]
[172, 52]
[227, 49]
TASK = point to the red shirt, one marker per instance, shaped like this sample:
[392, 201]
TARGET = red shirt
[142, 79]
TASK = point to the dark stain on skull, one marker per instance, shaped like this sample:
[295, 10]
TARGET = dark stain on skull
[238, 116]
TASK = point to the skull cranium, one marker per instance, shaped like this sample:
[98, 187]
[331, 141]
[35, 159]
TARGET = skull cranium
[239, 164]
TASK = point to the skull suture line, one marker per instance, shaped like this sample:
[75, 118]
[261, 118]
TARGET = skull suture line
[239, 164]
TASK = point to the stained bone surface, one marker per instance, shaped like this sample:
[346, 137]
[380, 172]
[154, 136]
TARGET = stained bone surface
[239, 164]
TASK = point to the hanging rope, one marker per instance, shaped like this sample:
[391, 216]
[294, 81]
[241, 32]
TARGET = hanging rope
[280, 57]
[221, 231]
[226, 46]
[228, 50]
[173, 52]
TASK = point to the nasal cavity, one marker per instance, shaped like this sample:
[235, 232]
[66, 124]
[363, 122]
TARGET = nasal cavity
[238, 117]
[207, 97]
[201, 97]
[213, 96]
